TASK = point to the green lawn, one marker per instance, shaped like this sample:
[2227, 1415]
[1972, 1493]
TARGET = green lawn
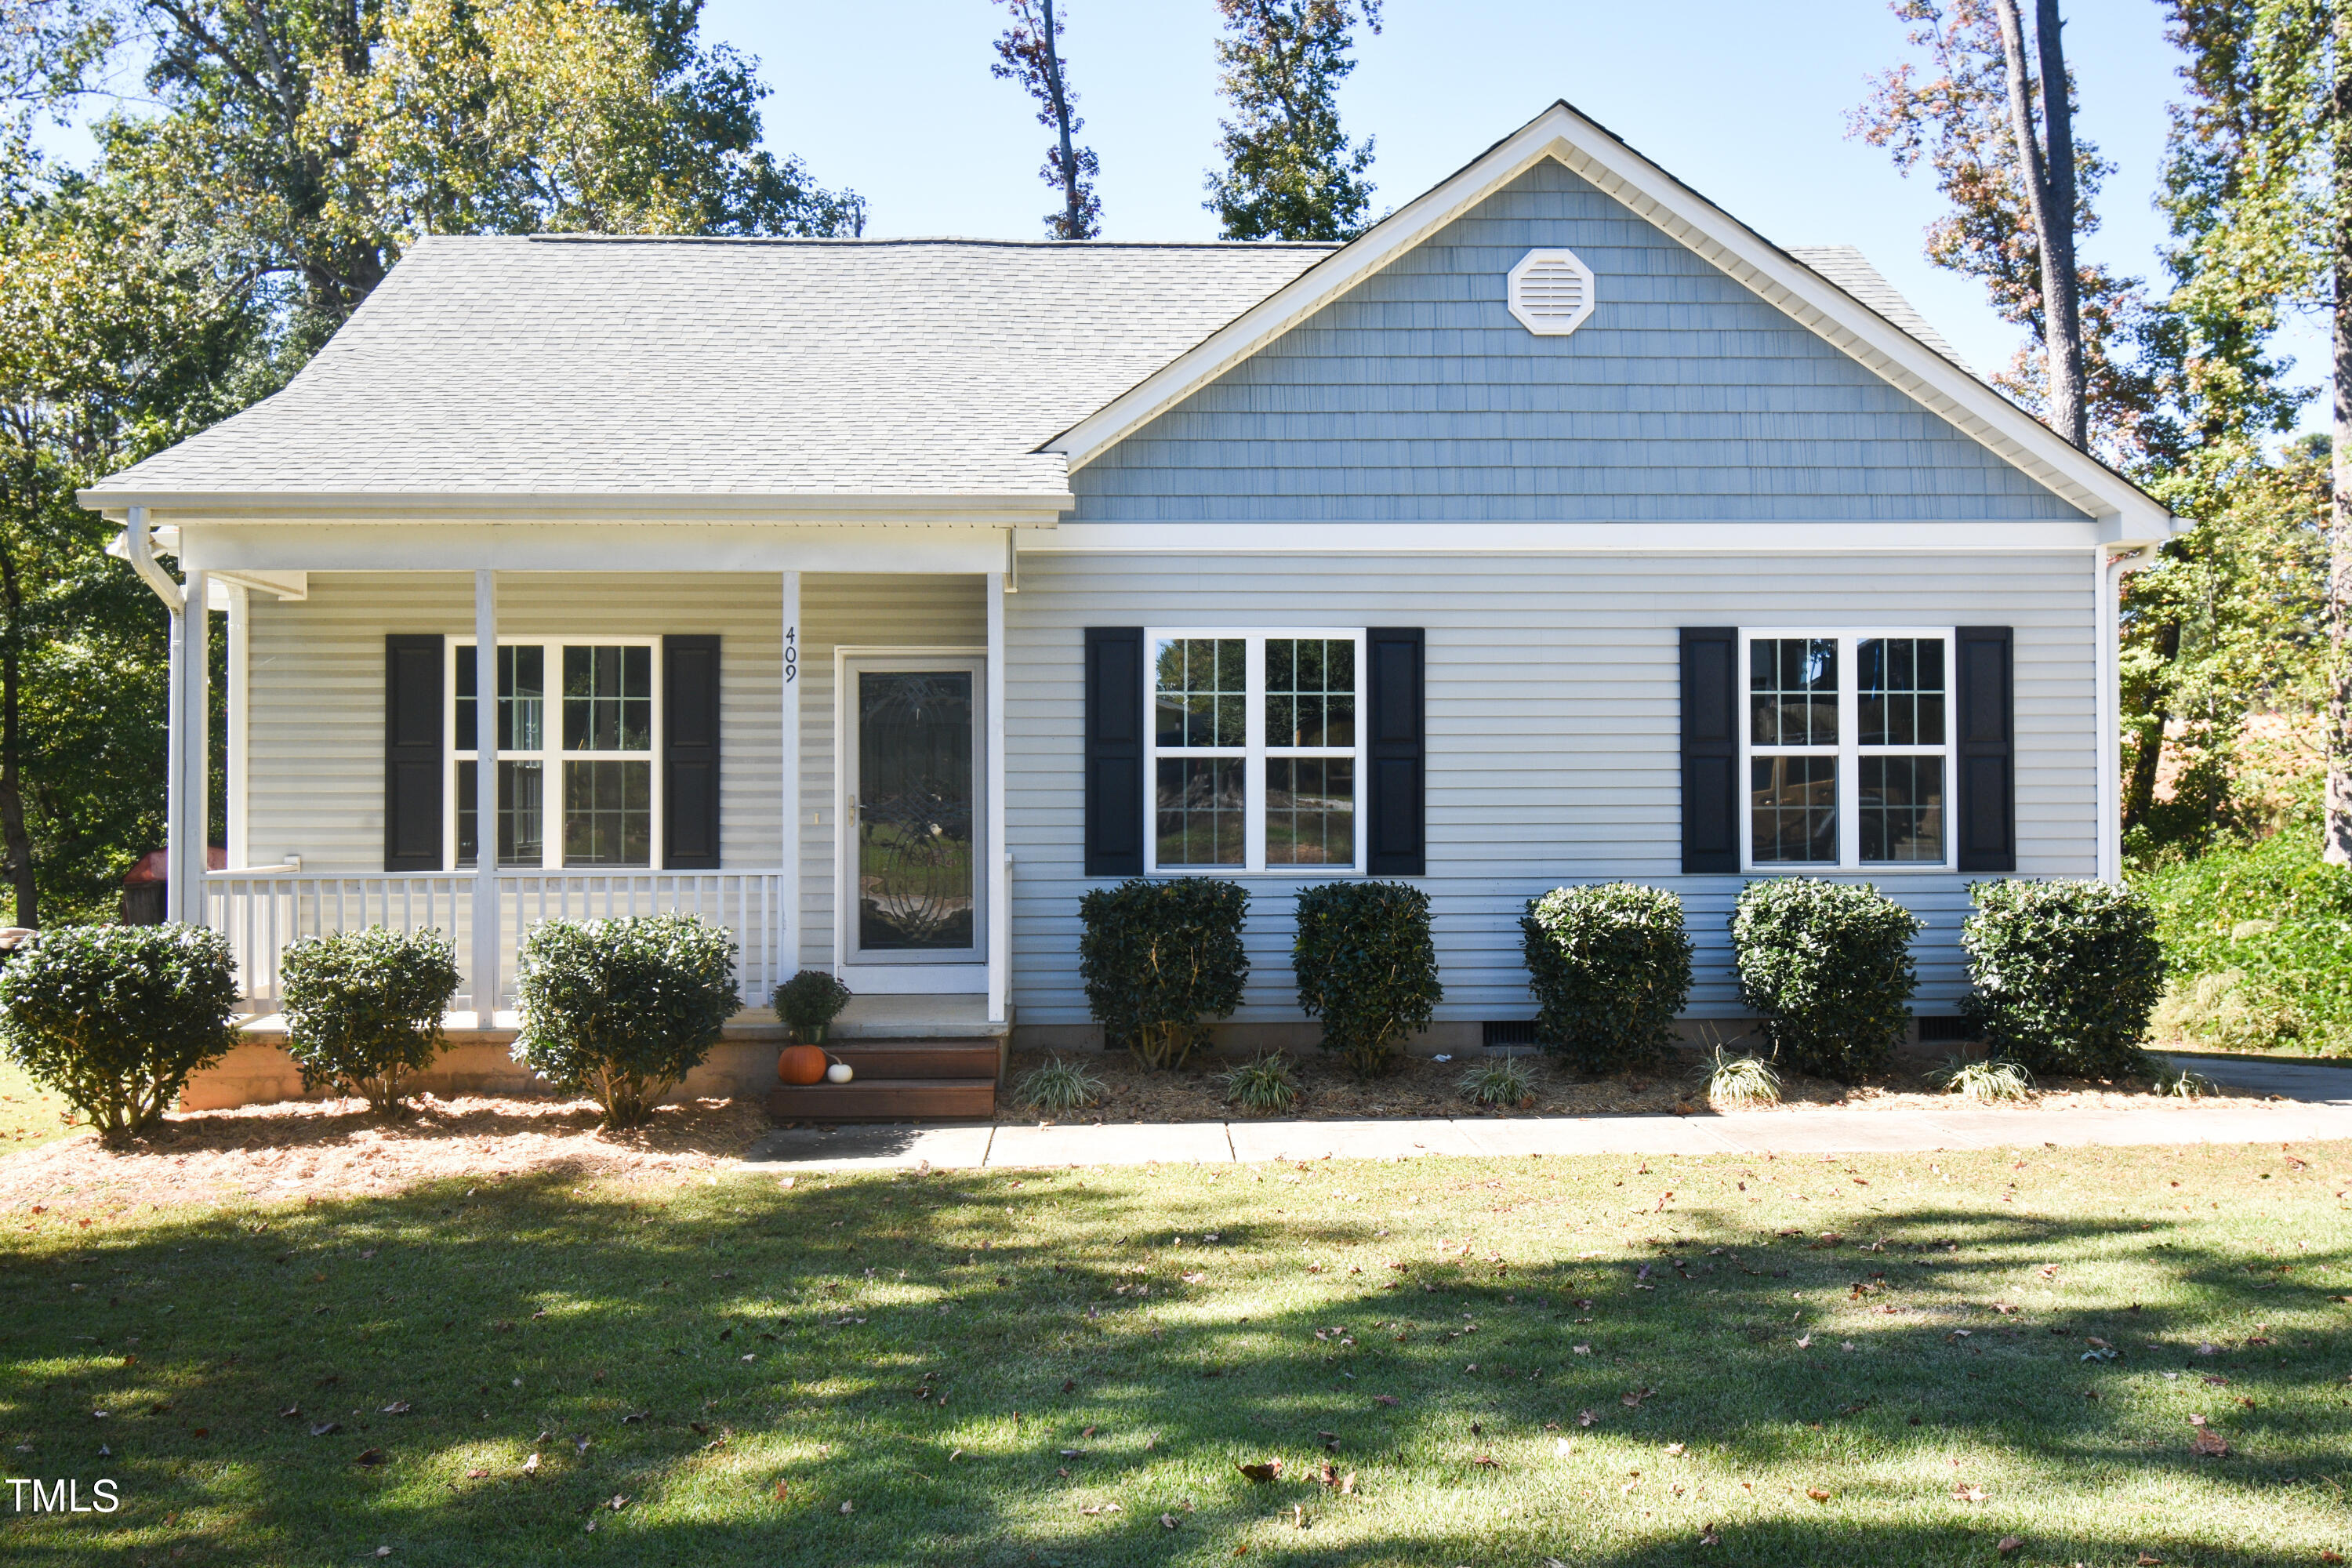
[1591, 1359]
[29, 1114]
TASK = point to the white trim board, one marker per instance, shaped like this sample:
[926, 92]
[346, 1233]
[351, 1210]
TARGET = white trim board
[1558, 538]
[1596, 154]
[589, 547]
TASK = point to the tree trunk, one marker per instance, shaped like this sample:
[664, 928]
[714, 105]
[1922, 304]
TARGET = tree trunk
[2049, 177]
[1073, 219]
[2140, 790]
[2335, 845]
[14, 838]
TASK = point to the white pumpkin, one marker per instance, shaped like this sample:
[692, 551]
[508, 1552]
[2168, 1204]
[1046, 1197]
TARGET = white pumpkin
[839, 1072]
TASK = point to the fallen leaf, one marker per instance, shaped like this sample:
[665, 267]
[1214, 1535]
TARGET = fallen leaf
[1384, 1399]
[1264, 1472]
[1707, 1536]
[2010, 1545]
[848, 1507]
[2210, 1443]
[1675, 1450]
[1348, 1484]
[325, 1428]
[292, 1413]
[1965, 1493]
[370, 1456]
[477, 1475]
[1817, 1494]
[1102, 1508]
[1632, 1401]
[397, 1407]
[1586, 1418]
[1804, 1341]
[2149, 1560]
[531, 1465]
[1167, 1521]
[1487, 1462]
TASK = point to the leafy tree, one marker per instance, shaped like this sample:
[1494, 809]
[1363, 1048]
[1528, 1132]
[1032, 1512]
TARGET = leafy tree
[2267, 222]
[311, 140]
[1291, 172]
[1996, 127]
[114, 343]
[1030, 52]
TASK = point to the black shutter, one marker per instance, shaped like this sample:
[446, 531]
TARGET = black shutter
[1711, 712]
[1986, 735]
[690, 754]
[1114, 752]
[412, 752]
[1398, 746]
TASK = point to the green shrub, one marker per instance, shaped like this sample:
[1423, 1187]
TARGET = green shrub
[2278, 916]
[1827, 968]
[622, 1009]
[363, 1009]
[1158, 958]
[2067, 974]
[808, 1003]
[1610, 967]
[1262, 1084]
[1367, 967]
[1055, 1086]
[1502, 1083]
[117, 1018]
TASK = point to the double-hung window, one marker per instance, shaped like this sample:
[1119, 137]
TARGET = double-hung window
[574, 728]
[1256, 757]
[1847, 749]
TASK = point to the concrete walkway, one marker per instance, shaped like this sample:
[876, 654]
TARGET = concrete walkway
[2317, 1105]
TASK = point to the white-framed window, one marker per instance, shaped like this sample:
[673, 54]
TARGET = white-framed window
[1846, 749]
[577, 723]
[1254, 760]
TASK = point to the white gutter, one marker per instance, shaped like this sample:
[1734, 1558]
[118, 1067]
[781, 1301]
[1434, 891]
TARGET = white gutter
[137, 546]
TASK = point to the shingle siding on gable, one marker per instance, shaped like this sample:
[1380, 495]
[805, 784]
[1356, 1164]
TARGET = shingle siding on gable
[1684, 398]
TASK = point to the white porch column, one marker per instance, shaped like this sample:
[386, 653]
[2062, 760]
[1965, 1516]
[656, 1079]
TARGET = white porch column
[486, 795]
[788, 887]
[189, 831]
[998, 854]
[240, 696]
[175, 888]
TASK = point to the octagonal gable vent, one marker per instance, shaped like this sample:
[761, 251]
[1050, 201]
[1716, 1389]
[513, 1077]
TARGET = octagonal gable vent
[1550, 292]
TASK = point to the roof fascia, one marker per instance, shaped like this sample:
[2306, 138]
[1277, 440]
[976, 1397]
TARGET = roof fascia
[1036, 510]
[1596, 154]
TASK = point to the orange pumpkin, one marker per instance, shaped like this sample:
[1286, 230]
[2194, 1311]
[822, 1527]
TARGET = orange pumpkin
[801, 1064]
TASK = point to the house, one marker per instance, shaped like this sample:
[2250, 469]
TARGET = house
[880, 597]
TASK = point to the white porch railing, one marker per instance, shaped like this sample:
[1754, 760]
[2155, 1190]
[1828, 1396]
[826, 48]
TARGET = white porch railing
[262, 913]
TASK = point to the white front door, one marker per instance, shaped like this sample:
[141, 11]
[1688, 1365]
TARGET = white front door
[913, 909]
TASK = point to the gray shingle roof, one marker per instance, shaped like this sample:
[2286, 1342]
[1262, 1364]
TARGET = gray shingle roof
[567, 366]
[1851, 272]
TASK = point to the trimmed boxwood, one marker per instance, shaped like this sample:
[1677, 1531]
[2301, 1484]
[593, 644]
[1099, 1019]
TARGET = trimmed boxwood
[2067, 974]
[1367, 967]
[622, 1009]
[363, 1009]
[1610, 967]
[117, 1018]
[1159, 959]
[1826, 966]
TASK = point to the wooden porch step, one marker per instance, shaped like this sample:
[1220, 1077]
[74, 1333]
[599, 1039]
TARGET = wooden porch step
[917, 1059]
[885, 1100]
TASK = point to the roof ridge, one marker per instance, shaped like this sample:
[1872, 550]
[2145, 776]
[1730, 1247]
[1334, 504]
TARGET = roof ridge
[880, 243]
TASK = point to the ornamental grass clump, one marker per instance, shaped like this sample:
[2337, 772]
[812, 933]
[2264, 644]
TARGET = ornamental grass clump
[1055, 1086]
[1502, 1083]
[1987, 1080]
[1740, 1083]
[364, 1010]
[1367, 967]
[117, 1019]
[1160, 960]
[1610, 967]
[2067, 974]
[1263, 1084]
[1826, 966]
[620, 1010]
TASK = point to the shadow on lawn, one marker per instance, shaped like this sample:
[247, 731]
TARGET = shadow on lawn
[717, 1341]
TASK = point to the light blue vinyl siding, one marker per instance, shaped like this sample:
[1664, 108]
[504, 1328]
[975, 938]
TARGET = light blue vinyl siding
[1685, 398]
[1554, 751]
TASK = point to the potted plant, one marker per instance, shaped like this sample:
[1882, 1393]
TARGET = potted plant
[806, 1006]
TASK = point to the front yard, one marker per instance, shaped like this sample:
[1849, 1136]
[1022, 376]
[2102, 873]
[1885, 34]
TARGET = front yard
[1897, 1359]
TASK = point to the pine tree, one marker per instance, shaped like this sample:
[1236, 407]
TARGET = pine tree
[1291, 172]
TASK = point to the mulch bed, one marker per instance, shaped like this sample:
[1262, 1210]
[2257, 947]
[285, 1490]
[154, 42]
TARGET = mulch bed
[1423, 1087]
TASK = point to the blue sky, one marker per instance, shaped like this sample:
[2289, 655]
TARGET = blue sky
[1748, 103]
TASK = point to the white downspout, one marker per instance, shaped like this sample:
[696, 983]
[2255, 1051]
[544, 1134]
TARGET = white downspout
[137, 546]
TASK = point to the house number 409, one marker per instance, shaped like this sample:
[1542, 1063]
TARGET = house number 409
[792, 654]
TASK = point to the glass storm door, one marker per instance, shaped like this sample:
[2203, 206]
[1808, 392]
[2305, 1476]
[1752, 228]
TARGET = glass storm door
[914, 861]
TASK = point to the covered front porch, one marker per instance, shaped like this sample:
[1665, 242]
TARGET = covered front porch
[682, 717]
